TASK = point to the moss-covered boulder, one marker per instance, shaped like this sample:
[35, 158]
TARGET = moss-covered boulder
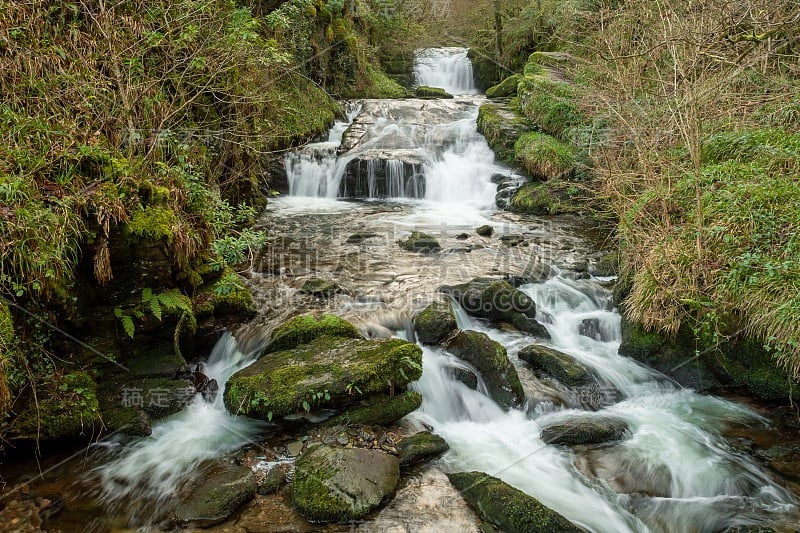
[320, 287]
[585, 429]
[556, 364]
[507, 87]
[507, 508]
[339, 484]
[489, 357]
[328, 372]
[423, 91]
[543, 156]
[484, 231]
[305, 328]
[551, 102]
[497, 301]
[435, 323]
[553, 197]
[67, 407]
[502, 126]
[217, 491]
[379, 409]
[421, 447]
[420, 242]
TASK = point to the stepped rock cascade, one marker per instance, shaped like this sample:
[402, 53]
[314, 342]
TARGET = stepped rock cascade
[420, 166]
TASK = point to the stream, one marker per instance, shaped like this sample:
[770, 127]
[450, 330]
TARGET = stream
[397, 166]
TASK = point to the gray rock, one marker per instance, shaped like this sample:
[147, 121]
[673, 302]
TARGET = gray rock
[420, 242]
[421, 447]
[342, 484]
[435, 323]
[512, 240]
[490, 359]
[511, 510]
[320, 287]
[556, 364]
[497, 301]
[217, 492]
[585, 429]
[485, 231]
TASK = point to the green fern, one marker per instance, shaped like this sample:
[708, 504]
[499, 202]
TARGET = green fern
[126, 321]
[152, 301]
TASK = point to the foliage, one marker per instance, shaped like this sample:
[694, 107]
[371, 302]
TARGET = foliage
[544, 156]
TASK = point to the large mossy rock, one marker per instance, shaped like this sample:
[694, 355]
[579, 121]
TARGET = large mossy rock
[305, 328]
[585, 429]
[497, 301]
[340, 484]
[327, 372]
[435, 323]
[511, 510]
[554, 197]
[556, 364]
[502, 126]
[420, 242]
[489, 357]
[214, 495]
[379, 409]
[507, 87]
[421, 447]
[423, 91]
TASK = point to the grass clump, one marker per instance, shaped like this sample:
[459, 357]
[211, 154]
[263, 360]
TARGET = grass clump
[544, 156]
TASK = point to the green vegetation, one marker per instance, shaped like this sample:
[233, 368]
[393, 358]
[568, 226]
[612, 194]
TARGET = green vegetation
[543, 156]
[431, 92]
[133, 137]
[689, 120]
[507, 87]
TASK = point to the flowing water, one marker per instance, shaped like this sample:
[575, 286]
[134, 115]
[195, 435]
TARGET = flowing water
[393, 167]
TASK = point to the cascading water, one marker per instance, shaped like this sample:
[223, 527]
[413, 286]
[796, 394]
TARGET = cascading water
[674, 473]
[141, 479]
[417, 149]
[448, 68]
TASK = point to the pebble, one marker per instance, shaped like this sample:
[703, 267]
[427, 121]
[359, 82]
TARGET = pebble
[343, 439]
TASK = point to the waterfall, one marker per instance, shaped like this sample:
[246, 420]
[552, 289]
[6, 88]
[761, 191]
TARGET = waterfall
[448, 68]
[141, 479]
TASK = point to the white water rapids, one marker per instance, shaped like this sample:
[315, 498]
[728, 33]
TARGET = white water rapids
[673, 472]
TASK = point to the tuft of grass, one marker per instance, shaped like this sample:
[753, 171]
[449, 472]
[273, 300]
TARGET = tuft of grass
[544, 156]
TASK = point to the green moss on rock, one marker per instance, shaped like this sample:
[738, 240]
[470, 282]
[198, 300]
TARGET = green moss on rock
[507, 87]
[435, 323]
[420, 242]
[217, 491]
[65, 409]
[585, 429]
[502, 126]
[550, 102]
[339, 485]
[305, 328]
[509, 509]
[544, 198]
[153, 223]
[423, 91]
[421, 447]
[380, 410]
[498, 301]
[328, 372]
[556, 364]
[544, 156]
[489, 357]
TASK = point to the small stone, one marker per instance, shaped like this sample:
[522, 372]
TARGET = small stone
[462, 236]
[343, 439]
[328, 440]
[485, 231]
[294, 448]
